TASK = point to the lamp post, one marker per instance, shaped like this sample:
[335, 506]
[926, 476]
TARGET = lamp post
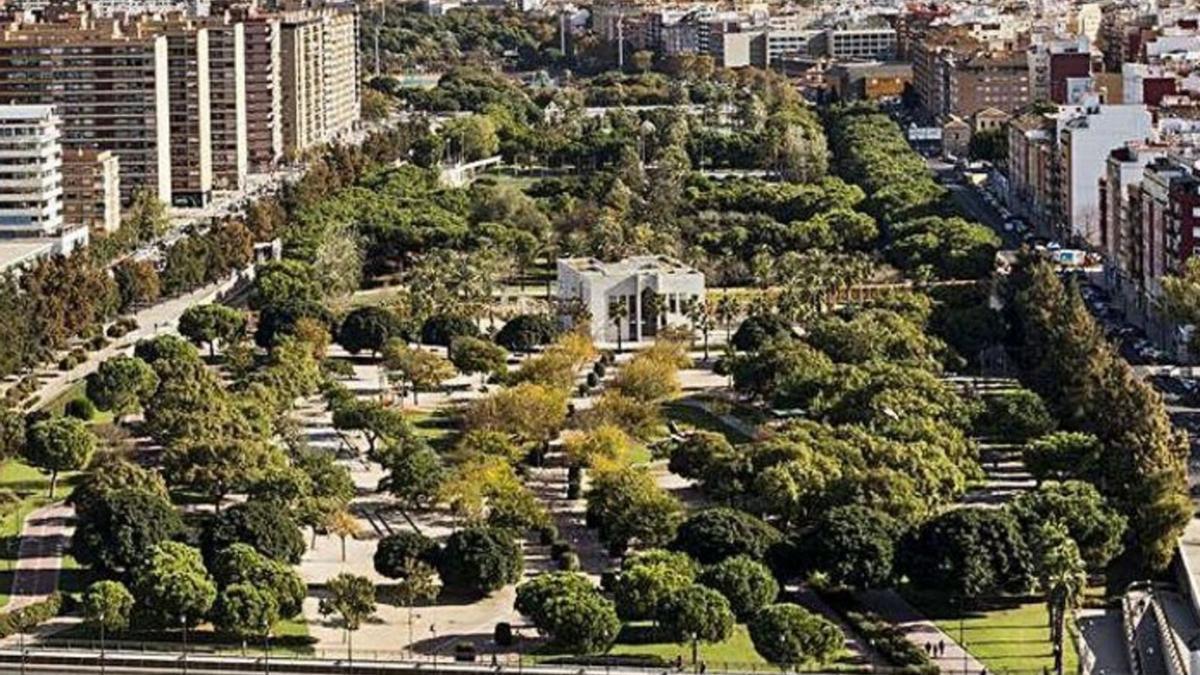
[101, 642]
[183, 623]
[695, 649]
[266, 647]
[433, 654]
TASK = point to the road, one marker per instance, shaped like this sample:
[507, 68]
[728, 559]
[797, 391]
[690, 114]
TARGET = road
[972, 202]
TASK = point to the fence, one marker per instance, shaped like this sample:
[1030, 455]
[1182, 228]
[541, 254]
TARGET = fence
[70, 655]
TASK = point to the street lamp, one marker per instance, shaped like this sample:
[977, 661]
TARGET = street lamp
[433, 631]
[695, 647]
[183, 623]
[266, 647]
[101, 642]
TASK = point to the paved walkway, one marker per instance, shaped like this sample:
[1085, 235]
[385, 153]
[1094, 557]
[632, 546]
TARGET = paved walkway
[921, 631]
[44, 538]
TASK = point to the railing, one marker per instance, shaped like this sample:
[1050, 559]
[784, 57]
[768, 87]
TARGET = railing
[1129, 624]
[1175, 663]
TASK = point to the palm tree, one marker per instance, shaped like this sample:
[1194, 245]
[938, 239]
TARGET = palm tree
[618, 313]
[700, 313]
[1063, 576]
[342, 524]
[727, 310]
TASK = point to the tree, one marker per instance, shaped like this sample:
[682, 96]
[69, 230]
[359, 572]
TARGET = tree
[343, 524]
[534, 595]
[117, 527]
[581, 622]
[703, 315]
[480, 560]
[137, 282]
[618, 314]
[443, 329]
[146, 217]
[715, 534]
[757, 328]
[1062, 455]
[369, 328]
[352, 599]
[376, 421]
[172, 585]
[695, 614]
[474, 355]
[647, 380]
[1096, 528]
[414, 473]
[59, 444]
[790, 636]
[108, 603]
[1015, 416]
[396, 552]
[628, 506]
[532, 413]
[473, 136]
[217, 465]
[241, 564]
[12, 433]
[855, 546]
[698, 454]
[122, 384]
[969, 553]
[245, 611]
[270, 530]
[601, 444]
[206, 324]
[1062, 576]
[647, 579]
[419, 368]
[524, 332]
[747, 584]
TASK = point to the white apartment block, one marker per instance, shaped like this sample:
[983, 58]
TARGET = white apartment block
[655, 292]
[1087, 135]
[31, 191]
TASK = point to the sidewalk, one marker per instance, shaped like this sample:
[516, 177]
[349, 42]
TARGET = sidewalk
[921, 631]
[44, 539]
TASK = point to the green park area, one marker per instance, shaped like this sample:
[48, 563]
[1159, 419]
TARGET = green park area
[1007, 635]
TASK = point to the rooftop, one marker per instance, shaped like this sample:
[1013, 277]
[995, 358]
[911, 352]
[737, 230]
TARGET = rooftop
[627, 266]
[17, 252]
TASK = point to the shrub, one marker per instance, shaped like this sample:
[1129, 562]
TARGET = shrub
[503, 635]
[569, 562]
[441, 329]
[80, 408]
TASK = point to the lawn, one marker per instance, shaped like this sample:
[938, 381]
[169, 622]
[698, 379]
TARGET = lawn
[1008, 635]
[735, 653]
[288, 638]
[689, 418]
[58, 406]
[22, 489]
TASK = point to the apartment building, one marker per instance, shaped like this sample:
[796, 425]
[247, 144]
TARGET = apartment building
[227, 103]
[319, 61]
[1121, 217]
[985, 80]
[190, 97]
[860, 43]
[110, 89]
[31, 190]
[264, 128]
[1033, 167]
[92, 190]
[1087, 135]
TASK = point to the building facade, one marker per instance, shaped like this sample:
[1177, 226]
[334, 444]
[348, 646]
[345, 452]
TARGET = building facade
[92, 190]
[630, 300]
[109, 88]
[319, 61]
[31, 190]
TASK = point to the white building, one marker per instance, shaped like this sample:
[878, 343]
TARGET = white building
[655, 292]
[1087, 134]
[31, 190]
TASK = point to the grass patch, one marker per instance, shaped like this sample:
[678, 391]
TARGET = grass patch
[738, 650]
[289, 637]
[1009, 634]
[689, 418]
[438, 428]
[58, 405]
